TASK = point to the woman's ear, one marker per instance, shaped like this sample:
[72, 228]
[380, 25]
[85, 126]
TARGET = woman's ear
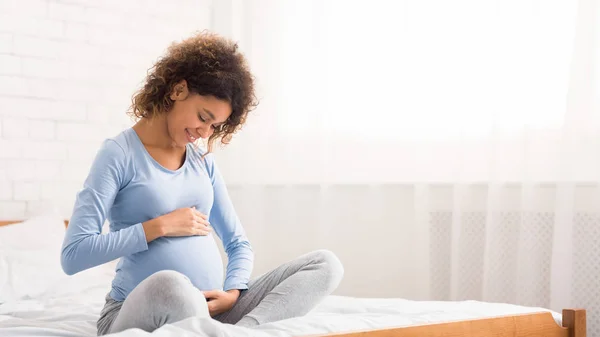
[180, 91]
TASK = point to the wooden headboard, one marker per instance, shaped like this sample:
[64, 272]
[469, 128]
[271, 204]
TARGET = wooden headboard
[10, 222]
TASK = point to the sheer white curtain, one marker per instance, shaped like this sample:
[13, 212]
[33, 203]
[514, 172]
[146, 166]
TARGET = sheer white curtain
[444, 150]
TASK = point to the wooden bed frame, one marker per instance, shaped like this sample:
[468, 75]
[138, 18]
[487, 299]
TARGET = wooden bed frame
[10, 222]
[526, 325]
[523, 325]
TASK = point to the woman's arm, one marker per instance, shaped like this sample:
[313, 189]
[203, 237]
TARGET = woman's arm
[84, 246]
[229, 229]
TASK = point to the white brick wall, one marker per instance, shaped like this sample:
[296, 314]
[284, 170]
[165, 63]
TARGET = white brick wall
[67, 71]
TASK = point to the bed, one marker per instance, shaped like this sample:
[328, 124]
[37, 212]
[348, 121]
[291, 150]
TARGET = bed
[37, 299]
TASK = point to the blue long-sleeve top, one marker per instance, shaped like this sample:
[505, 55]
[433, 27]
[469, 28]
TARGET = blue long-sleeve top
[127, 187]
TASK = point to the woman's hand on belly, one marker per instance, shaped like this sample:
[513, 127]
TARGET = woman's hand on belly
[181, 222]
[220, 301]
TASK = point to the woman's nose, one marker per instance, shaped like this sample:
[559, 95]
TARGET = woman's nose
[205, 132]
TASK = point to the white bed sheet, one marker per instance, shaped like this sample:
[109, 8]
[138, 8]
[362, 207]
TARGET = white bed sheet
[71, 308]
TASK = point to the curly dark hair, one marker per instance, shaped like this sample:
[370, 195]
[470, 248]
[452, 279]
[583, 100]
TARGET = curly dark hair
[212, 66]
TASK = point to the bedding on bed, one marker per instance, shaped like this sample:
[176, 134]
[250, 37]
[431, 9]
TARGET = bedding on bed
[73, 308]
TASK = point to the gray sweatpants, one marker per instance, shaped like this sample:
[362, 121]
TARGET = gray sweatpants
[290, 290]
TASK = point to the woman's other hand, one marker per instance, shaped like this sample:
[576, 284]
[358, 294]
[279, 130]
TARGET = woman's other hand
[220, 301]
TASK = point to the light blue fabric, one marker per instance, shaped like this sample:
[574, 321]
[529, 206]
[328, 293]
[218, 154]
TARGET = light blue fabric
[128, 187]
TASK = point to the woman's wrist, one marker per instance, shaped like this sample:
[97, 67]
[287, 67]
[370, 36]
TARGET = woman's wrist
[153, 229]
[235, 292]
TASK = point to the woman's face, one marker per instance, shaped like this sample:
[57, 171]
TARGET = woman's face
[194, 116]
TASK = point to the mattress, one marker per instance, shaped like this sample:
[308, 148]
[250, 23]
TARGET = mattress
[71, 308]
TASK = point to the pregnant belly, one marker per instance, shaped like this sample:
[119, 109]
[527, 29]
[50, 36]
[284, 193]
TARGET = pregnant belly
[196, 257]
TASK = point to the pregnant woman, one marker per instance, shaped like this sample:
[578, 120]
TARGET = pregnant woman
[165, 200]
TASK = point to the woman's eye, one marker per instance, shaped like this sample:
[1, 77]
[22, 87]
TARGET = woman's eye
[202, 119]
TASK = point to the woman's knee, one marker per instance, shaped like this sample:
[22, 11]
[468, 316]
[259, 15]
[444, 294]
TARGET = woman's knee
[173, 291]
[331, 267]
[166, 282]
